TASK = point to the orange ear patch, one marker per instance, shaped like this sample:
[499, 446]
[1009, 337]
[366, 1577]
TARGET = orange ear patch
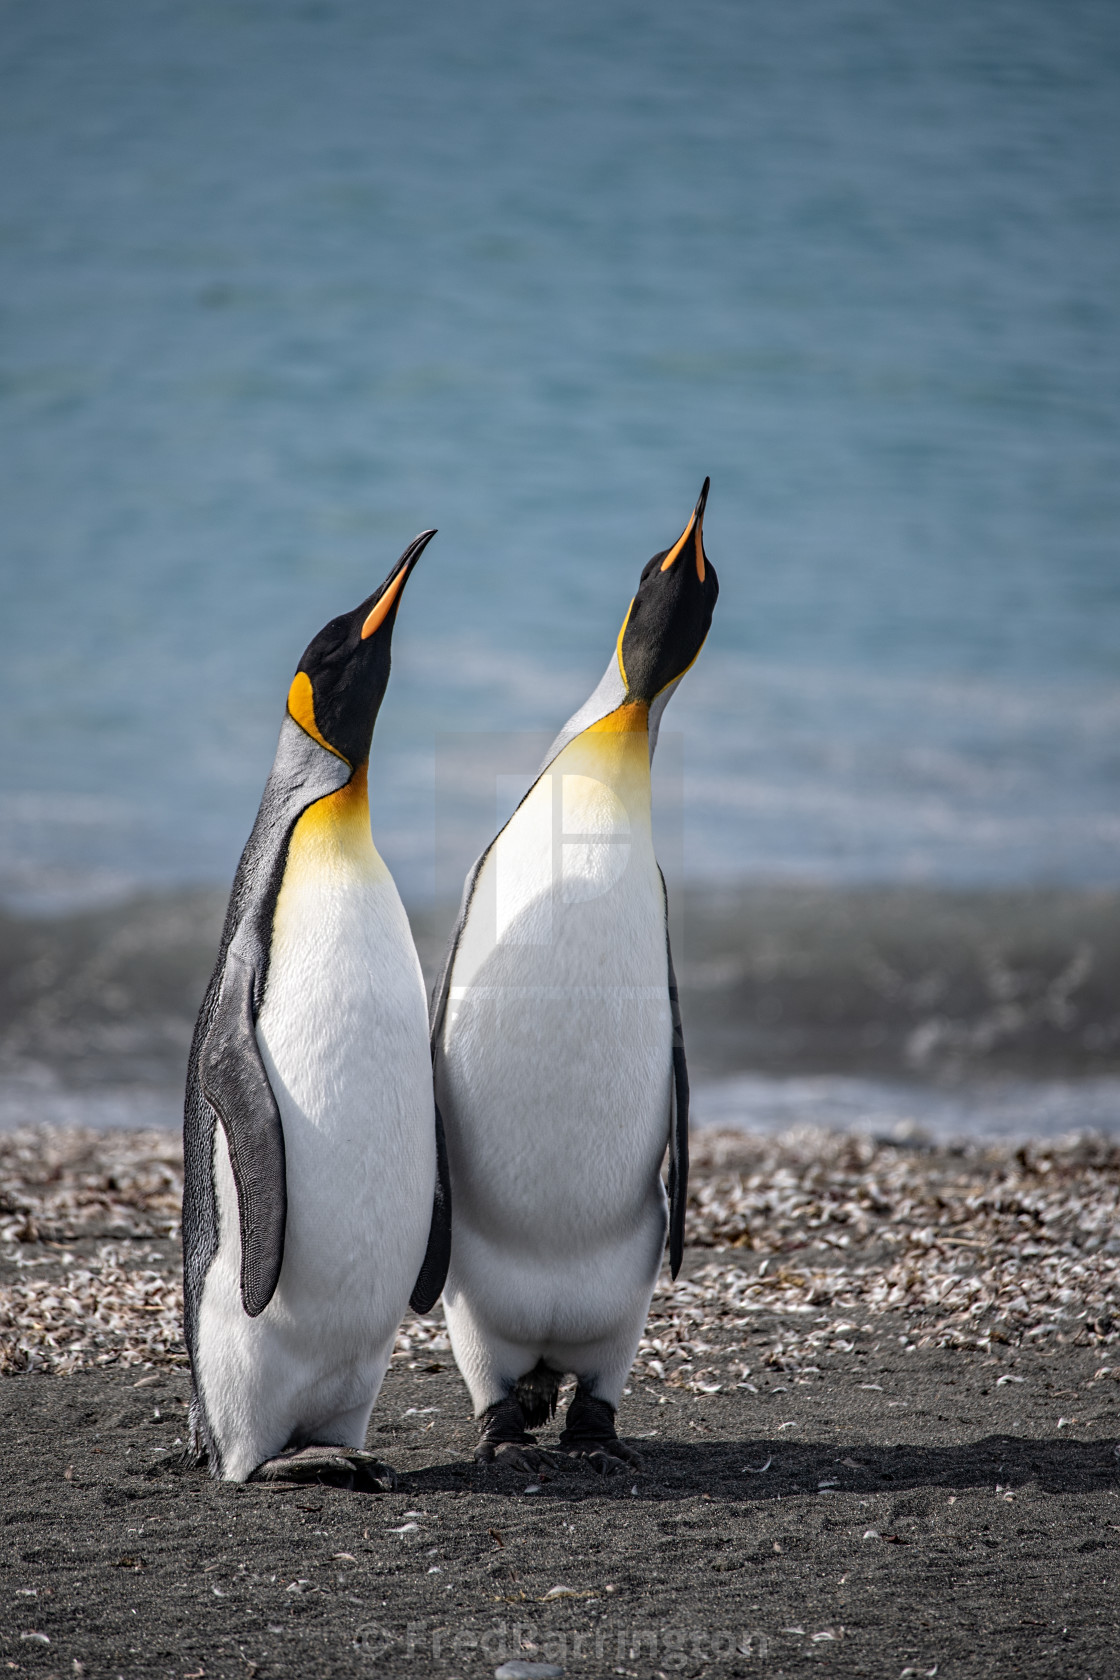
[379, 612]
[301, 705]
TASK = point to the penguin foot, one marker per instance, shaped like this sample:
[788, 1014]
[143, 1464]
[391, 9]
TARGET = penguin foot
[607, 1458]
[504, 1439]
[514, 1455]
[589, 1433]
[330, 1466]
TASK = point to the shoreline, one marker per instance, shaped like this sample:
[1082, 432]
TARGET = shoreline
[905, 1114]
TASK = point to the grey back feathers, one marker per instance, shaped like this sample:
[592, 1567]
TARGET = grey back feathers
[225, 1075]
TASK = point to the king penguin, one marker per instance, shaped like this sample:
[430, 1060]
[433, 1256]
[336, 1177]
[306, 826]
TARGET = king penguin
[315, 1194]
[559, 1062]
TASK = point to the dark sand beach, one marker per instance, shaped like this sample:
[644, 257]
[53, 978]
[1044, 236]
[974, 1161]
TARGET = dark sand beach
[879, 1413]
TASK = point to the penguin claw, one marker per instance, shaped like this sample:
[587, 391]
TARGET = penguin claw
[330, 1466]
[513, 1455]
[606, 1458]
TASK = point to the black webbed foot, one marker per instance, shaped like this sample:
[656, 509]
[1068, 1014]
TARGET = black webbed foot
[589, 1433]
[515, 1455]
[504, 1439]
[329, 1466]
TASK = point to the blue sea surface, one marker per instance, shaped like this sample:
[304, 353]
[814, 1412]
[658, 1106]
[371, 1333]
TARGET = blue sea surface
[281, 284]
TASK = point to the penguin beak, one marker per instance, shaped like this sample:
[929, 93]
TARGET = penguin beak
[691, 541]
[394, 583]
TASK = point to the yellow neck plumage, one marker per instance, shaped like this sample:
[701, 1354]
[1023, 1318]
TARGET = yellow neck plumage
[615, 751]
[335, 827]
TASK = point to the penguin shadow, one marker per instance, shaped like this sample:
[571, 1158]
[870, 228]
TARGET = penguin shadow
[757, 1470]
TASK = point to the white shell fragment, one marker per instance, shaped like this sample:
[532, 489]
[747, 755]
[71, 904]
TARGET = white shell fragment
[984, 1244]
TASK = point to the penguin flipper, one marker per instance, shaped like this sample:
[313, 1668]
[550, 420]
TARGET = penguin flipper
[678, 1119]
[437, 1257]
[442, 988]
[236, 1085]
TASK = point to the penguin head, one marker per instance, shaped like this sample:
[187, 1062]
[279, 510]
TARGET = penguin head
[341, 680]
[670, 615]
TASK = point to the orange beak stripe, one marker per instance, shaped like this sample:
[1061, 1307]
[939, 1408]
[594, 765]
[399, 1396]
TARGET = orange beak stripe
[674, 553]
[379, 612]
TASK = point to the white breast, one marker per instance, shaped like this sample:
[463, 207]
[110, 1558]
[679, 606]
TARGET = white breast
[343, 1034]
[556, 1050]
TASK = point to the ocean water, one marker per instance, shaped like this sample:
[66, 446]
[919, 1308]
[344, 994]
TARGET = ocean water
[281, 284]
